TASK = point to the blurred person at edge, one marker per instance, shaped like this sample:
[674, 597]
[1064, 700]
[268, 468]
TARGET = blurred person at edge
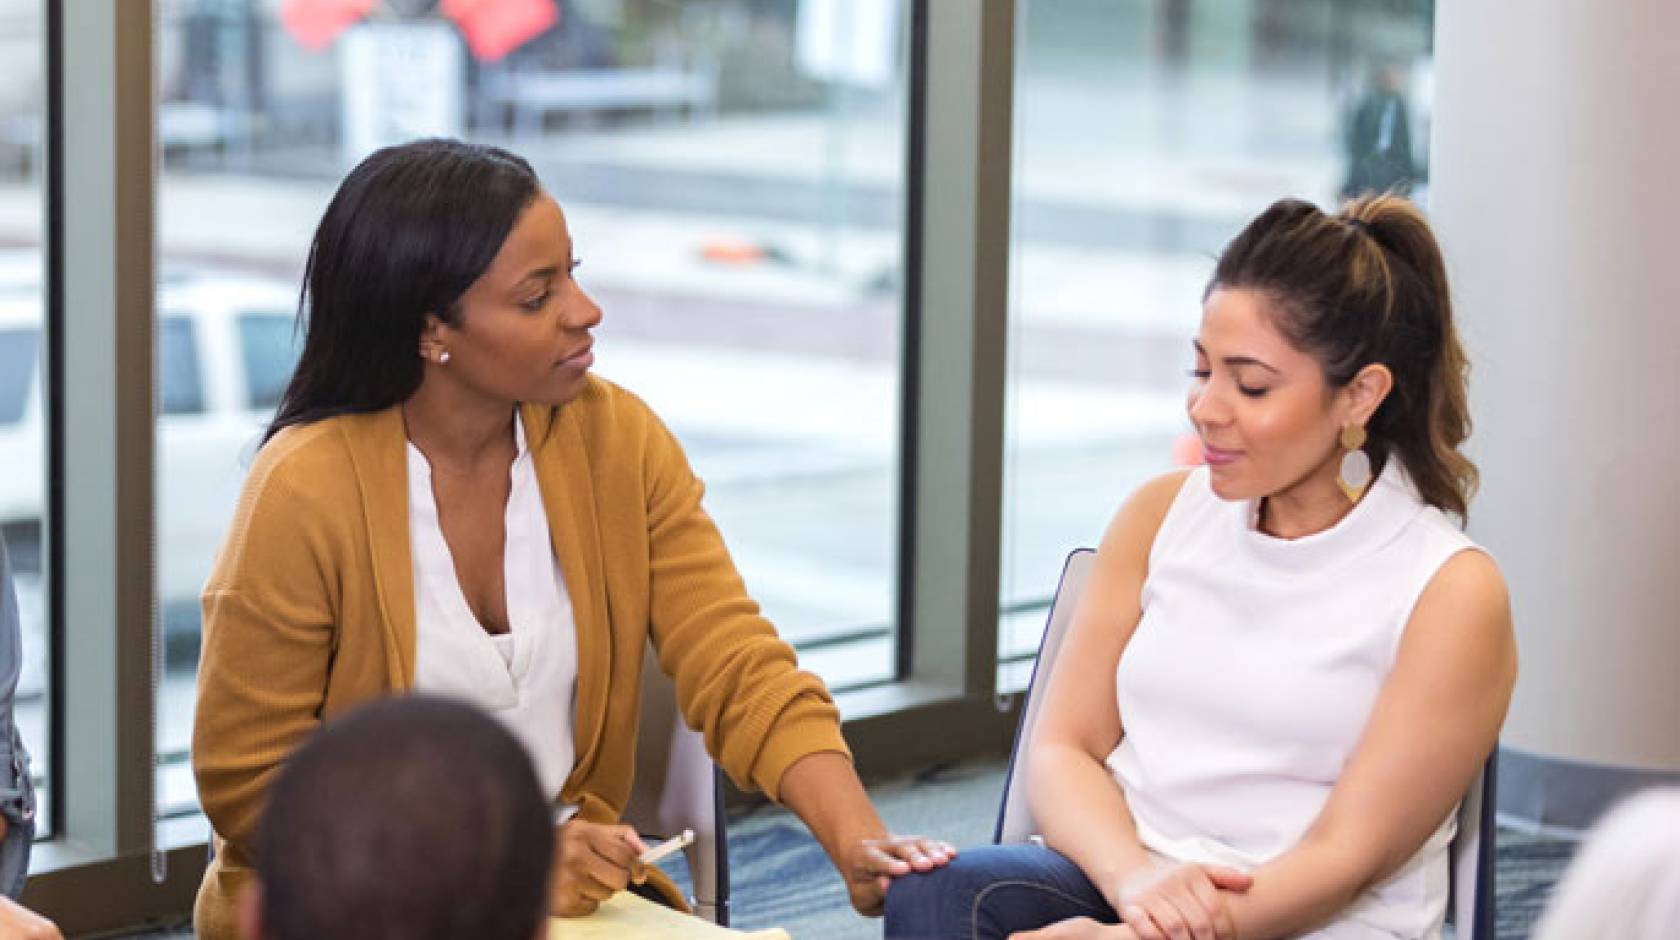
[1290, 663]
[448, 501]
[1378, 138]
[1625, 879]
[17, 794]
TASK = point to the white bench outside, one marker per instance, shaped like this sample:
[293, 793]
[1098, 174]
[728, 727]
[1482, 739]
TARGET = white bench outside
[529, 96]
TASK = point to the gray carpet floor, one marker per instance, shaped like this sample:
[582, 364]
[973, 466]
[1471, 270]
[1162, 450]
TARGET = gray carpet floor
[959, 804]
[782, 878]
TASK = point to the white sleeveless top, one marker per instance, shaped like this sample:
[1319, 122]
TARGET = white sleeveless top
[526, 677]
[1252, 674]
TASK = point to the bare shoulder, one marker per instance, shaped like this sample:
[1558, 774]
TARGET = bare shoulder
[1471, 584]
[1139, 518]
[1462, 620]
[1157, 494]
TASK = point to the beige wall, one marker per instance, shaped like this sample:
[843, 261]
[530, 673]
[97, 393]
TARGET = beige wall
[1556, 191]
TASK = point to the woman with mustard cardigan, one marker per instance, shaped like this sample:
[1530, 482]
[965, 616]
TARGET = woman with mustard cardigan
[448, 501]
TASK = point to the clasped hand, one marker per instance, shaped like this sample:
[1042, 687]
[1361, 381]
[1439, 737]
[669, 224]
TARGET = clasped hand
[1183, 902]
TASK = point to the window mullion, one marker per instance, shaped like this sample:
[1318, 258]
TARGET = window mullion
[962, 317]
[103, 290]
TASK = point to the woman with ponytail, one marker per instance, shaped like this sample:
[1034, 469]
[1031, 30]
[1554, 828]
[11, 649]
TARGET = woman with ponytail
[1289, 663]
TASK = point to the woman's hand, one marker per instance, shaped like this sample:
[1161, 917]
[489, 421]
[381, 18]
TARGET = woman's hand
[1184, 902]
[20, 923]
[870, 865]
[824, 790]
[1078, 928]
[591, 863]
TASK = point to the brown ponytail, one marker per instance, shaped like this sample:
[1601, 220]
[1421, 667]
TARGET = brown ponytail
[1369, 285]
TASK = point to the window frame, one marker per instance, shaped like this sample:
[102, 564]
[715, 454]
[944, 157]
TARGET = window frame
[945, 705]
[99, 222]
[100, 217]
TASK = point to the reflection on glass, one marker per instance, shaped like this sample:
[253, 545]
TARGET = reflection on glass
[1147, 132]
[22, 344]
[732, 176]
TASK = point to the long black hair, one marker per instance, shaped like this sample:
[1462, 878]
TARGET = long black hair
[409, 230]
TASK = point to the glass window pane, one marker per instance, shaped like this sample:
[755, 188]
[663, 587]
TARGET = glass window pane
[22, 351]
[180, 386]
[1147, 133]
[732, 174]
[268, 346]
[19, 347]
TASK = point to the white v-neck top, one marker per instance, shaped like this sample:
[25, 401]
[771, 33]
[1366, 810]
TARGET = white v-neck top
[1253, 672]
[526, 677]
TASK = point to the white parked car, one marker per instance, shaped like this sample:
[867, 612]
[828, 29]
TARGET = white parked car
[226, 346]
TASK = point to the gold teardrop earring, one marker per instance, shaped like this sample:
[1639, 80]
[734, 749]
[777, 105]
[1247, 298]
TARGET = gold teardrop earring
[1355, 473]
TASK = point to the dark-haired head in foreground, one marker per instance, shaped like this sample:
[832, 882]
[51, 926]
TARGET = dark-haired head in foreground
[411, 818]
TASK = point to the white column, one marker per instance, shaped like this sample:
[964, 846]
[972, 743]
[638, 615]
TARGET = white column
[1556, 193]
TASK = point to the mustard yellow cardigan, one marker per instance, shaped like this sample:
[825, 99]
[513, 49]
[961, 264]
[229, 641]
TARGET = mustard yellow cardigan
[309, 611]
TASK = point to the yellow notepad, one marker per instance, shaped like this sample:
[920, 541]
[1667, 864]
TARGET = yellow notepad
[624, 916]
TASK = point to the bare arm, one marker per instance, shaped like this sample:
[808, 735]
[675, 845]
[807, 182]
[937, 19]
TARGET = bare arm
[20, 923]
[1074, 798]
[1434, 724]
[824, 791]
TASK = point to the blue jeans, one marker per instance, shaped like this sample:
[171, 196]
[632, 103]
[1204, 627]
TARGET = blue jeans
[989, 892]
[14, 857]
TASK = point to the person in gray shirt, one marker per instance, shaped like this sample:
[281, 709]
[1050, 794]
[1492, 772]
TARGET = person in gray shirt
[17, 794]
